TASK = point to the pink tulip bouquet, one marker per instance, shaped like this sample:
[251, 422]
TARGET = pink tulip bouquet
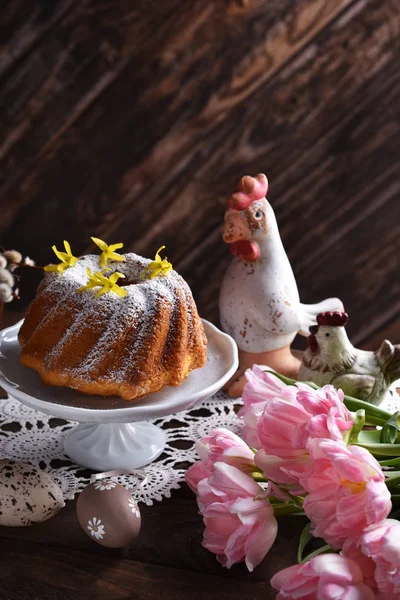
[305, 451]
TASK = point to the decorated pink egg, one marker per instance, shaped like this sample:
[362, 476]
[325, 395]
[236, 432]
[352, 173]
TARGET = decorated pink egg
[108, 514]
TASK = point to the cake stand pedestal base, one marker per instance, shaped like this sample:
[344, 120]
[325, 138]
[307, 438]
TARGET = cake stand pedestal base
[114, 434]
[111, 446]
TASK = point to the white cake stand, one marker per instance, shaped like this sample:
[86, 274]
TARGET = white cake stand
[113, 433]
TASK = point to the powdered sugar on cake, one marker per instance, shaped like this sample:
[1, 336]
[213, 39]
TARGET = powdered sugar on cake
[139, 303]
[114, 343]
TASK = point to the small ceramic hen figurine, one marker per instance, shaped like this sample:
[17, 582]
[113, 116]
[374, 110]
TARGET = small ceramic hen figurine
[259, 301]
[332, 358]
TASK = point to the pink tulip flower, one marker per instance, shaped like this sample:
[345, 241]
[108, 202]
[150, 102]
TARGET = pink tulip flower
[239, 520]
[324, 413]
[346, 491]
[278, 459]
[351, 549]
[221, 445]
[284, 428]
[285, 472]
[261, 386]
[330, 418]
[197, 472]
[250, 417]
[380, 549]
[325, 577]
[278, 425]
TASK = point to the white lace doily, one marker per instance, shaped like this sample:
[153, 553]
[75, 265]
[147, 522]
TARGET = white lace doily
[36, 438]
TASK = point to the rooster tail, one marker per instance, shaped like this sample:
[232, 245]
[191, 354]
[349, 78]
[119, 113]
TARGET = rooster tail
[310, 312]
[388, 357]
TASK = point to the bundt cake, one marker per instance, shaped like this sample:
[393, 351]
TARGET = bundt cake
[80, 334]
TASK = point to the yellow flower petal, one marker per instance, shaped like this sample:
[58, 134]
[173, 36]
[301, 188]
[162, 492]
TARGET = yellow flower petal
[108, 251]
[115, 256]
[66, 258]
[115, 276]
[61, 255]
[67, 248]
[97, 279]
[61, 267]
[102, 245]
[120, 291]
[159, 266]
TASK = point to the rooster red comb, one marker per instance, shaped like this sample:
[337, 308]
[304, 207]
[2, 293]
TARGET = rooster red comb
[334, 319]
[249, 190]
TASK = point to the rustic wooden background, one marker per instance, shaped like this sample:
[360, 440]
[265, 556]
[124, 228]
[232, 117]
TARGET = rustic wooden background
[133, 120]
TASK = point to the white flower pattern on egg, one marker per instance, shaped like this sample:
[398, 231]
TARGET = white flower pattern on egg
[96, 528]
[107, 484]
[117, 516]
[134, 507]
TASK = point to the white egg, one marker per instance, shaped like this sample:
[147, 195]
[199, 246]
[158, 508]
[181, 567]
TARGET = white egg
[27, 494]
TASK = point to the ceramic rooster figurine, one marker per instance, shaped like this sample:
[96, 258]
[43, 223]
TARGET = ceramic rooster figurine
[331, 358]
[259, 301]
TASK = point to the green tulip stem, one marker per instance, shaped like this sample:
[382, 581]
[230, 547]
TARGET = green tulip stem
[392, 482]
[381, 449]
[287, 509]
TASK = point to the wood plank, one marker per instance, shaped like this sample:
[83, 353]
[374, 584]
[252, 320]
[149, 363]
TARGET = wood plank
[23, 25]
[320, 191]
[63, 76]
[322, 198]
[331, 155]
[390, 332]
[166, 561]
[55, 575]
[232, 50]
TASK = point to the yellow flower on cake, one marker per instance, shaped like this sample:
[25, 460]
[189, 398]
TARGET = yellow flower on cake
[67, 259]
[106, 284]
[108, 251]
[158, 266]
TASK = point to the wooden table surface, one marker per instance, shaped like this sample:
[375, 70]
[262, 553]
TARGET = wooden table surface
[55, 560]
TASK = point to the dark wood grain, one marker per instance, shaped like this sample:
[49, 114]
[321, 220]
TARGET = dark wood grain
[133, 121]
[23, 25]
[134, 124]
[58, 560]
